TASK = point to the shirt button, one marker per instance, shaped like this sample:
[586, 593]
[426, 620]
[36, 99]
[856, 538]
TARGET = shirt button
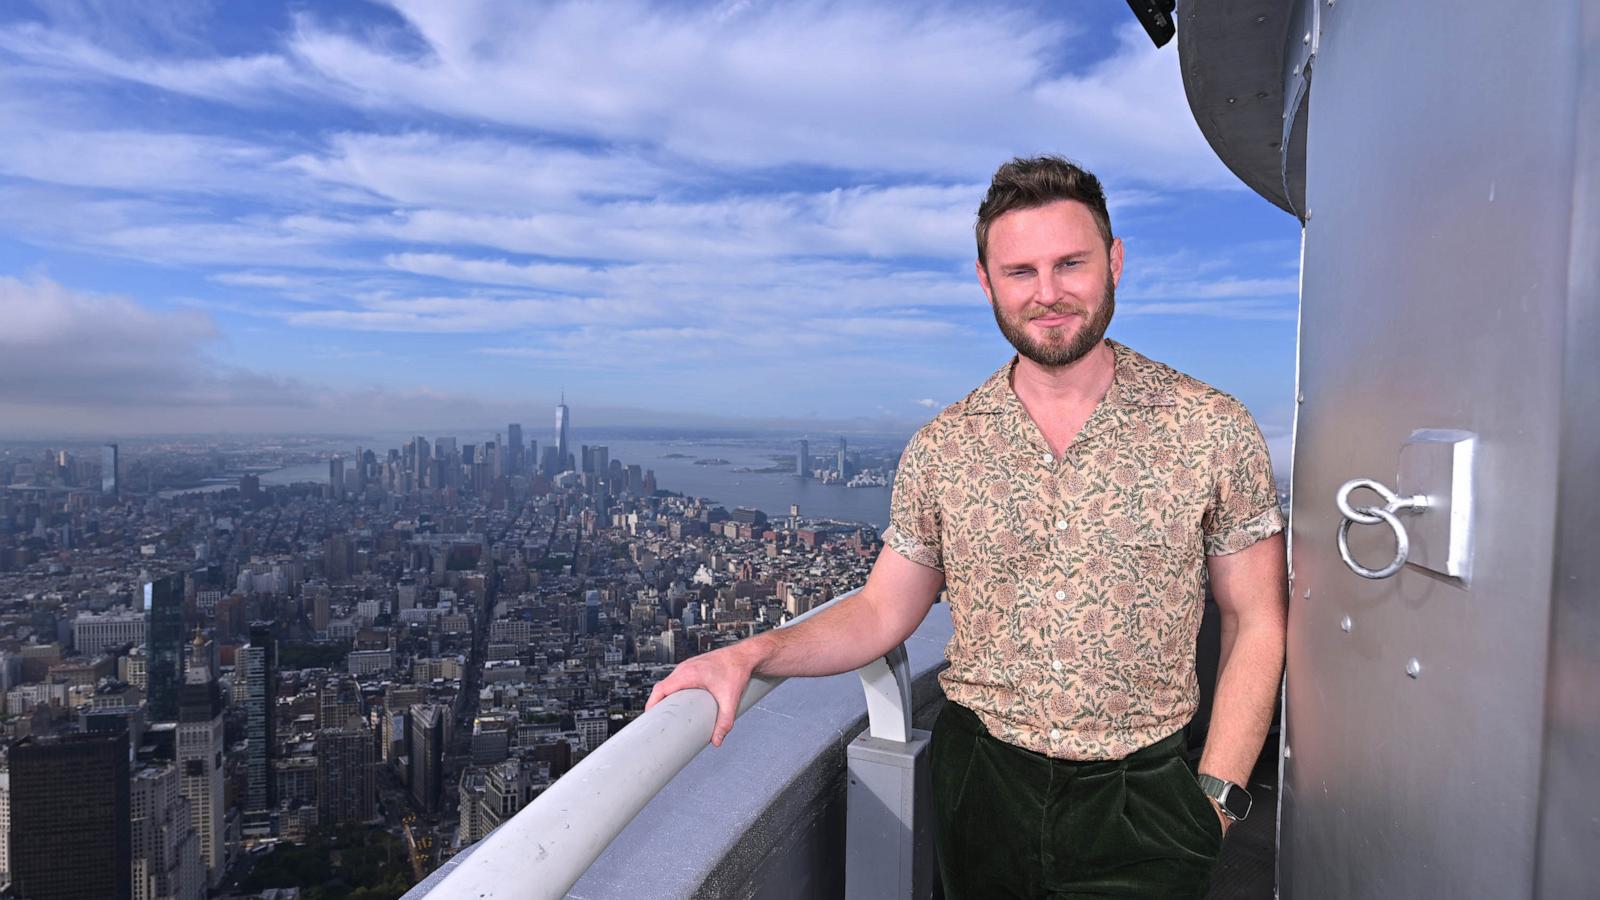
[1061, 595]
[1061, 524]
[1055, 734]
[1047, 458]
[1056, 665]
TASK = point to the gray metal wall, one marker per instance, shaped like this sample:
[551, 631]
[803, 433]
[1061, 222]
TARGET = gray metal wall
[1449, 282]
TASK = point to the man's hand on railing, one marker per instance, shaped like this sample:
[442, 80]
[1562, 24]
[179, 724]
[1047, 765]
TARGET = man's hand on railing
[723, 673]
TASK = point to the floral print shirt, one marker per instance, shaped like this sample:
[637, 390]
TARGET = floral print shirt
[1076, 584]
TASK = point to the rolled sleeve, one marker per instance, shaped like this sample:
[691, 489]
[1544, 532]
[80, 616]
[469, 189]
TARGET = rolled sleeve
[915, 523]
[1244, 501]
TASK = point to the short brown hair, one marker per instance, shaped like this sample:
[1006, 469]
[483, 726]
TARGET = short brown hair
[1041, 180]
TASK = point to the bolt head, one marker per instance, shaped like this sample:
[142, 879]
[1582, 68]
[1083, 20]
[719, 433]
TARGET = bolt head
[1414, 667]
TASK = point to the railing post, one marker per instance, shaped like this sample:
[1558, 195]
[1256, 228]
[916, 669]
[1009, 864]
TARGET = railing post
[888, 820]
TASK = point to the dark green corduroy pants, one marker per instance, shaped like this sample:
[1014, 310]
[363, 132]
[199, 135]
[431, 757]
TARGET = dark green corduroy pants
[1011, 823]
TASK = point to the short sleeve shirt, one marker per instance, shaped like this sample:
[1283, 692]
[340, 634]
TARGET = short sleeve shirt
[1076, 585]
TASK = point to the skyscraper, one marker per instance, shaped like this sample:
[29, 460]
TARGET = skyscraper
[842, 472]
[423, 462]
[336, 477]
[163, 603]
[600, 458]
[346, 773]
[108, 470]
[428, 723]
[200, 747]
[562, 447]
[802, 464]
[259, 662]
[71, 836]
[514, 457]
[166, 850]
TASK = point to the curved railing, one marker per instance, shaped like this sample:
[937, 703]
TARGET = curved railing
[544, 849]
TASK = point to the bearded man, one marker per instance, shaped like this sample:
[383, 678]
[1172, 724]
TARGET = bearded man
[1073, 508]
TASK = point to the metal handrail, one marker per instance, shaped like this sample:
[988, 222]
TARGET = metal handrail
[542, 851]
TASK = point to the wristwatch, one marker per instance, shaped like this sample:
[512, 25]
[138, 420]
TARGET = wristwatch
[1233, 799]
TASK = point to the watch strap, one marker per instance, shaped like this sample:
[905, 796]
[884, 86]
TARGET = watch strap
[1228, 796]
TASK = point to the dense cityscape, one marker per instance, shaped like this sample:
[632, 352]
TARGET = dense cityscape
[328, 688]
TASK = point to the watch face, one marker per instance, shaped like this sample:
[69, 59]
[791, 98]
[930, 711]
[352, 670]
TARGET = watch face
[1237, 802]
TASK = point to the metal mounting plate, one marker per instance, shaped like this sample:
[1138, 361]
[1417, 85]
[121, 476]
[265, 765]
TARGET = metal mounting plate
[1437, 462]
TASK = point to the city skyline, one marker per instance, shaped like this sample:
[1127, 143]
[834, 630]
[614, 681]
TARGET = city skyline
[271, 220]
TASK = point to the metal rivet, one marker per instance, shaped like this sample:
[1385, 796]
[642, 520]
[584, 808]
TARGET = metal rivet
[1413, 668]
[1308, 593]
[1260, 19]
[1287, 751]
[1345, 624]
[1262, 95]
[1306, 39]
[1231, 100]
[1297, 70]
[1300, 397]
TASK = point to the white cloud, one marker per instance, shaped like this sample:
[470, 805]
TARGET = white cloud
[942, 90]
[63, 348]
[430, 170]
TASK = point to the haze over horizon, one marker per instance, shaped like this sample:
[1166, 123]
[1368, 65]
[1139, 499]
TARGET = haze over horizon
[399, 216]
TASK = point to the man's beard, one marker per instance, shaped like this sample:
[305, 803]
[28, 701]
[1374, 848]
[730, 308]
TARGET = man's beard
[1054, 350]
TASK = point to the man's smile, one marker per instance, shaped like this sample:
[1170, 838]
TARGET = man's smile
[1054, 320]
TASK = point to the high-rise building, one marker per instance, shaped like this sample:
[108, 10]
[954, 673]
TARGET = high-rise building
[338, 701]
[428, 724]
[70, 825]
[514, 457]
[108, 470]
[346, 773]
[165, 847]
[424, 462]
[562, 447]
[336, 477]
[249, 487]
[258, 661]
[802, 465]
[841, 460]
[200, 747]
[600, 458]
[163, 603]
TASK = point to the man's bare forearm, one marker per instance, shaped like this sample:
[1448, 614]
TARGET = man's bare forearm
[1251, 670]
[841, 638]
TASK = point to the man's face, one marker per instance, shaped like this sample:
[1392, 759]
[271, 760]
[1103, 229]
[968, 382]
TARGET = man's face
[1051, 281]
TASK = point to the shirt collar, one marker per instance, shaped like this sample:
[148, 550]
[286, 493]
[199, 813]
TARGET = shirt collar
[1137, 381]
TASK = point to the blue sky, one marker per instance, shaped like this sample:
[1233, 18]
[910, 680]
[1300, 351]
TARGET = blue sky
[408, 215]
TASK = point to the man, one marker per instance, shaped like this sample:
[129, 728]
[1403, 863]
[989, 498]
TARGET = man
[1073, 508]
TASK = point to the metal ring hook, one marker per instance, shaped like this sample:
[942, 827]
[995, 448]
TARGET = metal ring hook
[1372, 515]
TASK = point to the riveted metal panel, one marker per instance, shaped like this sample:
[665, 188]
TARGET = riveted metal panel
[1439, 201]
